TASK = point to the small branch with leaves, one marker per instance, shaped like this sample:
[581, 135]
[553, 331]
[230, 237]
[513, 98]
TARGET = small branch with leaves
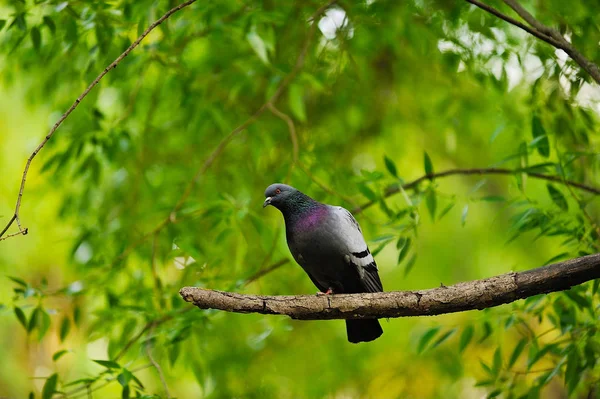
[477, 294]
[549, 35]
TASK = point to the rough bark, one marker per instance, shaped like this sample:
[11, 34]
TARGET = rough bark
[477, 294]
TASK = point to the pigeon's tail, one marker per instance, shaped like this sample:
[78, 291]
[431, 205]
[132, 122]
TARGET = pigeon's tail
[363, 330]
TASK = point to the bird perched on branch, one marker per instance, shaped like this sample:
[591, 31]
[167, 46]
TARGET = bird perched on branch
[328, 243]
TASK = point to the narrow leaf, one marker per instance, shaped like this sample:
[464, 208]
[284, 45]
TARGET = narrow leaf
[404, 250]
[36, 37]
[557, 197]
[108, 364]
[390, 166]
[19, 281]
[426, 338]
[427, 164]
[443, 338]
[463, 217]
[65, 327]
[431, 201]
[517, 351]
[21, 316]
[537, 130]
[296, 101]
[59, 354]
[50, 386]
[409, 265]
[258, 45]
[50, 24]
[465, 338]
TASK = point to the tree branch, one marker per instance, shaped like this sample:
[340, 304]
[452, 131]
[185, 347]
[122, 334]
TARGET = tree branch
[477, 294]
[391, 190]
[75, 104]
[542, 32]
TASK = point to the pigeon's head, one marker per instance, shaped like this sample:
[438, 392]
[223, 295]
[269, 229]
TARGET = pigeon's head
[279, 195]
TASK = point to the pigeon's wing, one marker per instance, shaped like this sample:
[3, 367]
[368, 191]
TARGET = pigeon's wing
[356, 251]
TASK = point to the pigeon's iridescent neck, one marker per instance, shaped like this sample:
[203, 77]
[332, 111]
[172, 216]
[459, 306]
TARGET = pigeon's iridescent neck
[310, 218]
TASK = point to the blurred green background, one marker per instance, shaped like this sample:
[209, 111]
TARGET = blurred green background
[380, 87]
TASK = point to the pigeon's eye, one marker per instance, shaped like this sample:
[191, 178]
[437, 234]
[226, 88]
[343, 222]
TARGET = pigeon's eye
[277, 191]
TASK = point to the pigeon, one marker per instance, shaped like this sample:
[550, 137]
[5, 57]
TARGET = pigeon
[327, 242]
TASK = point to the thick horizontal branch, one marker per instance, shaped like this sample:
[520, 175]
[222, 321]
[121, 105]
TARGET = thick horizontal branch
[477, 294]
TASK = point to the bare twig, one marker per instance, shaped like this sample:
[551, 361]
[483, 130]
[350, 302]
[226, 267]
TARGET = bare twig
[157, 366]
[22, 232]
[391, 190]
[477, 294]
[291, 128]
[76, 103]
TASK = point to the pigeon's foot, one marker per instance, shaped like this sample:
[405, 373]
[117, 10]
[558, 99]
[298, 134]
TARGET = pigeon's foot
[328, 292]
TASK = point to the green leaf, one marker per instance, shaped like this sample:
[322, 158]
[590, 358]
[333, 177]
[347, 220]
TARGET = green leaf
[426, 338]
[109, 364]
[36, 37]
[494, 393]
[557, 197]
[465, 338]
[487, 331]
[443, 338]
[258, 45]
[43, 323]
[390, 166]
[517, 351]
[446, 210]
[124, 378]
[581, 301]
[431, 201]
[50, 24]
[573, 370]
[33, 320]
[427, 164]
[409, 265]
[50, 386]
[536, 354]
[493, 198]
[65, 327]
[537, 129]
[296, 101]
[2, 23]
[21, 316]
[404, 250]
[463, 216]
[367, 192]
[497, 362]
[19, 281]
[59, 354]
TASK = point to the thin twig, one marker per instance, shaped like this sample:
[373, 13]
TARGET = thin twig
[291, 128]
[391, 190]
[156, 365]
[22, 232]
[78, 100]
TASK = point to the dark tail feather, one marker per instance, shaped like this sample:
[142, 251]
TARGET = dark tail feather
[363, 330]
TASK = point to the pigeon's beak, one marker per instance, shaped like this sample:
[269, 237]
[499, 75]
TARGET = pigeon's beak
[267, 202]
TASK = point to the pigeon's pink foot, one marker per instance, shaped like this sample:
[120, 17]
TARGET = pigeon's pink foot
[328, 292]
